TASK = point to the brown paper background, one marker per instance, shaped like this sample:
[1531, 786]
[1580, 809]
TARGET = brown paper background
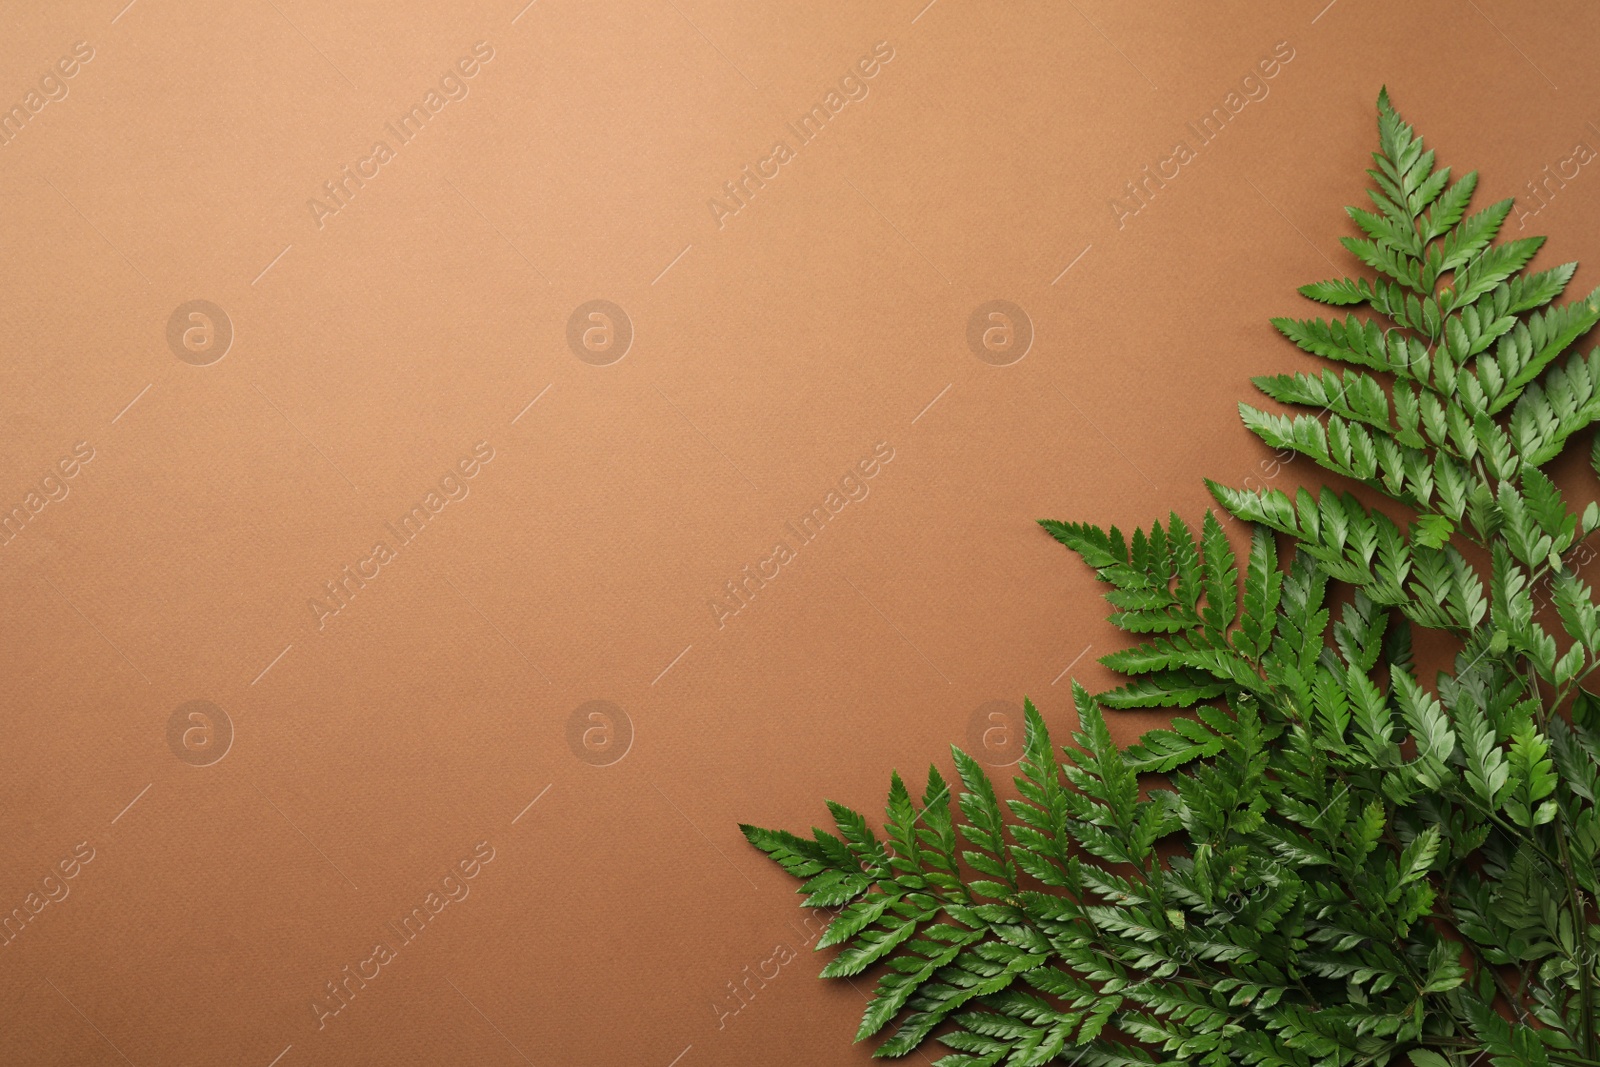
[828, 314]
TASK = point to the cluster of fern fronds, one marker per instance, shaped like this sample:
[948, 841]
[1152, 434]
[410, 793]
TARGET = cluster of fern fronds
[1327, 858]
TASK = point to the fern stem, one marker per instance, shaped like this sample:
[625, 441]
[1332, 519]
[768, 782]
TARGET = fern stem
[1580, 917]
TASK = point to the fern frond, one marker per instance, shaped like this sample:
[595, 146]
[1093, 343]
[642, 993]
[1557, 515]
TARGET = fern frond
[1324, 858]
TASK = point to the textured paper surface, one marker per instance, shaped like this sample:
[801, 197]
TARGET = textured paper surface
[281, 278]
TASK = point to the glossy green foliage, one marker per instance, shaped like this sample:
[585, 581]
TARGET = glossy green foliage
[1325, 858]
